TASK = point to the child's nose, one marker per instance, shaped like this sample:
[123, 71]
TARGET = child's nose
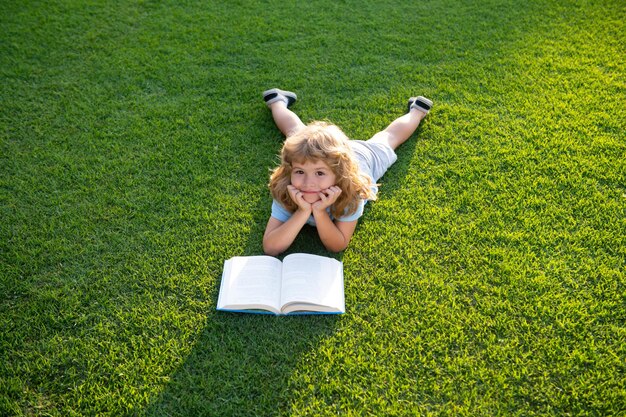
[310, 180]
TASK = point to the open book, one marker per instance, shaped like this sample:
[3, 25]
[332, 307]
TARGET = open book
[300, 284]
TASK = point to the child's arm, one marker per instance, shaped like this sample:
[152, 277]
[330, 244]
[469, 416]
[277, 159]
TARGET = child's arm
[334, 235]
[280, 235]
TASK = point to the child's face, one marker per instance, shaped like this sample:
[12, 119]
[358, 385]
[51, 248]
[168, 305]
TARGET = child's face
[311, 177]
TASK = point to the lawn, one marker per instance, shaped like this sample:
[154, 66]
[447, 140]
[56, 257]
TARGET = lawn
[488, 279]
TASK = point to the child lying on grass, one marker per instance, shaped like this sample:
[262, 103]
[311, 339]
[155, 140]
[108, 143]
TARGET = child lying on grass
[324, 178]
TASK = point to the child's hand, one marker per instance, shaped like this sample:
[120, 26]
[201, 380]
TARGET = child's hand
[327, 198]
[298, 198]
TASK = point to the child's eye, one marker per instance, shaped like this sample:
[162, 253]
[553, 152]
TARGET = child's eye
[320, 173]
[298, 171]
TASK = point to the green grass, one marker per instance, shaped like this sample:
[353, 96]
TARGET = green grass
[488, 279]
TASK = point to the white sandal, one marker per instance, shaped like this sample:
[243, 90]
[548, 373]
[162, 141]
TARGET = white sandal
[275, 94]
[420, 103]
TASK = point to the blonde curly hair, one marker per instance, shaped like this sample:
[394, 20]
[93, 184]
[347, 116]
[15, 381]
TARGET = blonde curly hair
[322, 141]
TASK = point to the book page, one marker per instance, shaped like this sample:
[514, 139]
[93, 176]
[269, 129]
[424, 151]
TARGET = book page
[312, 279]
[250, 282]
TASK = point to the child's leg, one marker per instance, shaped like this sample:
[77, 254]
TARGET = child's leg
[400, 129]
[287, 121]
[403, 127]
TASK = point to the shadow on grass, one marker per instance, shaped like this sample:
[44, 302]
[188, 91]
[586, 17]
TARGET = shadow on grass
[241, 364]
[241, 360]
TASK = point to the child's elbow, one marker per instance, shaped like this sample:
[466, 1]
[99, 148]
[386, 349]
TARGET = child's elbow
[336, 248]
[271, 250]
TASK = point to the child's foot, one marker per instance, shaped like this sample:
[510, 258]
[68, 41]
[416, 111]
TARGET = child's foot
[420, 103]
[274, 95]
